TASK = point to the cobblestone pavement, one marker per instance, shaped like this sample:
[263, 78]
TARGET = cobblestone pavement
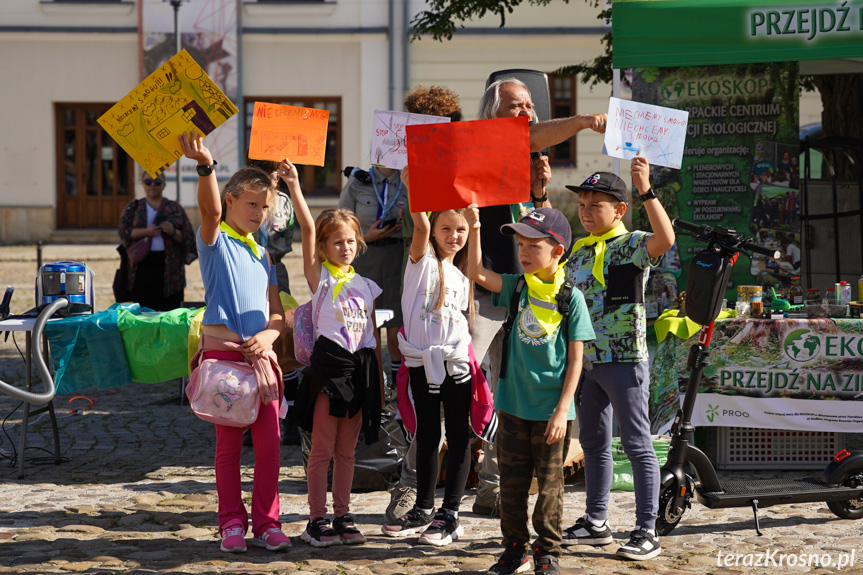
[135, 494]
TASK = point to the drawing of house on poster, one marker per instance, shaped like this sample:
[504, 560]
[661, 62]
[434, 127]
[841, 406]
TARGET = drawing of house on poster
[178, 97]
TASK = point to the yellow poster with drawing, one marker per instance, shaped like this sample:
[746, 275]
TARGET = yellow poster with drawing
[178, 97]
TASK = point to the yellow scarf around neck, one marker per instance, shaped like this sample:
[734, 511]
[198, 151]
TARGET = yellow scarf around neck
[341, 277]
[246, 239]
[599, 249]
[547, 316]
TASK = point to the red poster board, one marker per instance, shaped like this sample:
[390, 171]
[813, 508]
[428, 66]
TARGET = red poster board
[279, 132]
[484, 162]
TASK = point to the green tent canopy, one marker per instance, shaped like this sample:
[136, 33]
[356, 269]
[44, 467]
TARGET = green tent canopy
[660, 33]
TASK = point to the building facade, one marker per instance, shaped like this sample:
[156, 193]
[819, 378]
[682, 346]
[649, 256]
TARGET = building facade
[67, 61]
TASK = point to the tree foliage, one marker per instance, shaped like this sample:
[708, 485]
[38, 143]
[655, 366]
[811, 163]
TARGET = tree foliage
[440, 20]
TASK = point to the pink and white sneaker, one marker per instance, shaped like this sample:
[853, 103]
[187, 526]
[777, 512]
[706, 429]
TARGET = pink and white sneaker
[272, 540]
[233, 540]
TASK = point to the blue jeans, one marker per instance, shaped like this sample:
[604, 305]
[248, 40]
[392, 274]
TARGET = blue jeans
[621, 389]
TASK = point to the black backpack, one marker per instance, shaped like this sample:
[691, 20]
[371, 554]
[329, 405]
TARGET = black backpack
[562, 299]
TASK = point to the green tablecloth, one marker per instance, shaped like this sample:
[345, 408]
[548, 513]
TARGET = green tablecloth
[118, 346]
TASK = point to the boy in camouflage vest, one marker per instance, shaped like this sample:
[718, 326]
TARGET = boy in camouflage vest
[610, 267]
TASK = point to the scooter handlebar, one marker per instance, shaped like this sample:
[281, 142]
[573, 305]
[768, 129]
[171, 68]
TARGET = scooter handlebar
[726, 237]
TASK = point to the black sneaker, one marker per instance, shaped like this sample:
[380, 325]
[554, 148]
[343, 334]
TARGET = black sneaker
[346, 529]
[514, 560]
[586, 533]
[642, 545]
[443, 530]
[408, 524]
[544, 563]
[318, 533]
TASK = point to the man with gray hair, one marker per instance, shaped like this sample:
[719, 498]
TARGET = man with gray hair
[505, 98]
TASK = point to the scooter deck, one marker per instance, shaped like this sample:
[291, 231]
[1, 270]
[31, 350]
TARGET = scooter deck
[741, 492]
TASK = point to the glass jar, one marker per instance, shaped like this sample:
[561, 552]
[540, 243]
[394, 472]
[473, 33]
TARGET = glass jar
[813, 295]
[756, 307]
[795, 293]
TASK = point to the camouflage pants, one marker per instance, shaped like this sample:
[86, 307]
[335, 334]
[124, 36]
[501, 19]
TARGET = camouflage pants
[523, 453]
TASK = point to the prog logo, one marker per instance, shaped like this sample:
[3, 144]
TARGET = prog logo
[712, 411]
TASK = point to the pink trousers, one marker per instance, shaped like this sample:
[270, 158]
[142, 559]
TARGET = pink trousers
[332, 438]
[265, 487]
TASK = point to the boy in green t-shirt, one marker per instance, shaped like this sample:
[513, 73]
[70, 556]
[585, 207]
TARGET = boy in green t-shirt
[534, 397]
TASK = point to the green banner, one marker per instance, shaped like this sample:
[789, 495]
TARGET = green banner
[661, 33]
[740, 163]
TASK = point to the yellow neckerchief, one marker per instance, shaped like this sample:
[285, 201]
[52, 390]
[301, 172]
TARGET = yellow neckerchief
[341, 277]
[247, 239]
[600, 249]
[541, 296]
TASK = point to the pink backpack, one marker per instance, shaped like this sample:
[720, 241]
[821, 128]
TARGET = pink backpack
[304, 330]
[304, 334]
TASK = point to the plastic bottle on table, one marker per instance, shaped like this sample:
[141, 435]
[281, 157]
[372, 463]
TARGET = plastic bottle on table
[844, 293]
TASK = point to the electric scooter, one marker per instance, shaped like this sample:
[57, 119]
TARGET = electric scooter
[840, 484]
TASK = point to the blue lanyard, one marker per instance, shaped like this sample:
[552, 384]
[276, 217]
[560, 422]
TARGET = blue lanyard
[386, 209]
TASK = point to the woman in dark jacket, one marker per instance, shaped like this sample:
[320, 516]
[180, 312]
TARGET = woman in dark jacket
[157, 281]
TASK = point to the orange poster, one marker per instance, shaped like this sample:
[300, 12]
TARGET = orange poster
[279, 132]
[484, 162]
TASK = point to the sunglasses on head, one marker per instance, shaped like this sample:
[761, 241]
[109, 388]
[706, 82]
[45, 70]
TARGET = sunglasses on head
[149, 182]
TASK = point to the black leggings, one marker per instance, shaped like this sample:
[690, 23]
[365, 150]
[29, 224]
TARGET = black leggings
[456, 400]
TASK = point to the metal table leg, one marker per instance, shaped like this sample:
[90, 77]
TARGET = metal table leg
[49, 407]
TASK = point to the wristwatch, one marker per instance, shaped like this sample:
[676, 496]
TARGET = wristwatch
[205, 171]
[648, 195]
[535, 200]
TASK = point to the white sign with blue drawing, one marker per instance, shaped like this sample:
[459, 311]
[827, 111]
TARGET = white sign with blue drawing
[653, 132]
[388, 136]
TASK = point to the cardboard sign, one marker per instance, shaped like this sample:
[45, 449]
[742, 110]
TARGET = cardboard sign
[178, 97]
[484, 162]
[388, 136]
[653, 132]
[279, 132]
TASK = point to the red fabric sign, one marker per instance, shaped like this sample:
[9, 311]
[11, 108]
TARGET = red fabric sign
[483, 162]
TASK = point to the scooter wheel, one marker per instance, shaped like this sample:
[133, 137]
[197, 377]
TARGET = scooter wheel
[669, 515]
[851, 508]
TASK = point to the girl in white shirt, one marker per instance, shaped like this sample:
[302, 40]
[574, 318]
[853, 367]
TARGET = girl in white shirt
[434, 347]
[341, 392]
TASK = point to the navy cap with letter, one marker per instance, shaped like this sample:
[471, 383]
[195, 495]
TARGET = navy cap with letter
[604, 182]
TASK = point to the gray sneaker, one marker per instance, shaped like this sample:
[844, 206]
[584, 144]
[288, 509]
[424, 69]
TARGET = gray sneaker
[402, 500]
[487, 504]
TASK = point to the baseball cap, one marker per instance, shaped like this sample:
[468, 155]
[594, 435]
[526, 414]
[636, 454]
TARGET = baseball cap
[604, 182]
[542, 223]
